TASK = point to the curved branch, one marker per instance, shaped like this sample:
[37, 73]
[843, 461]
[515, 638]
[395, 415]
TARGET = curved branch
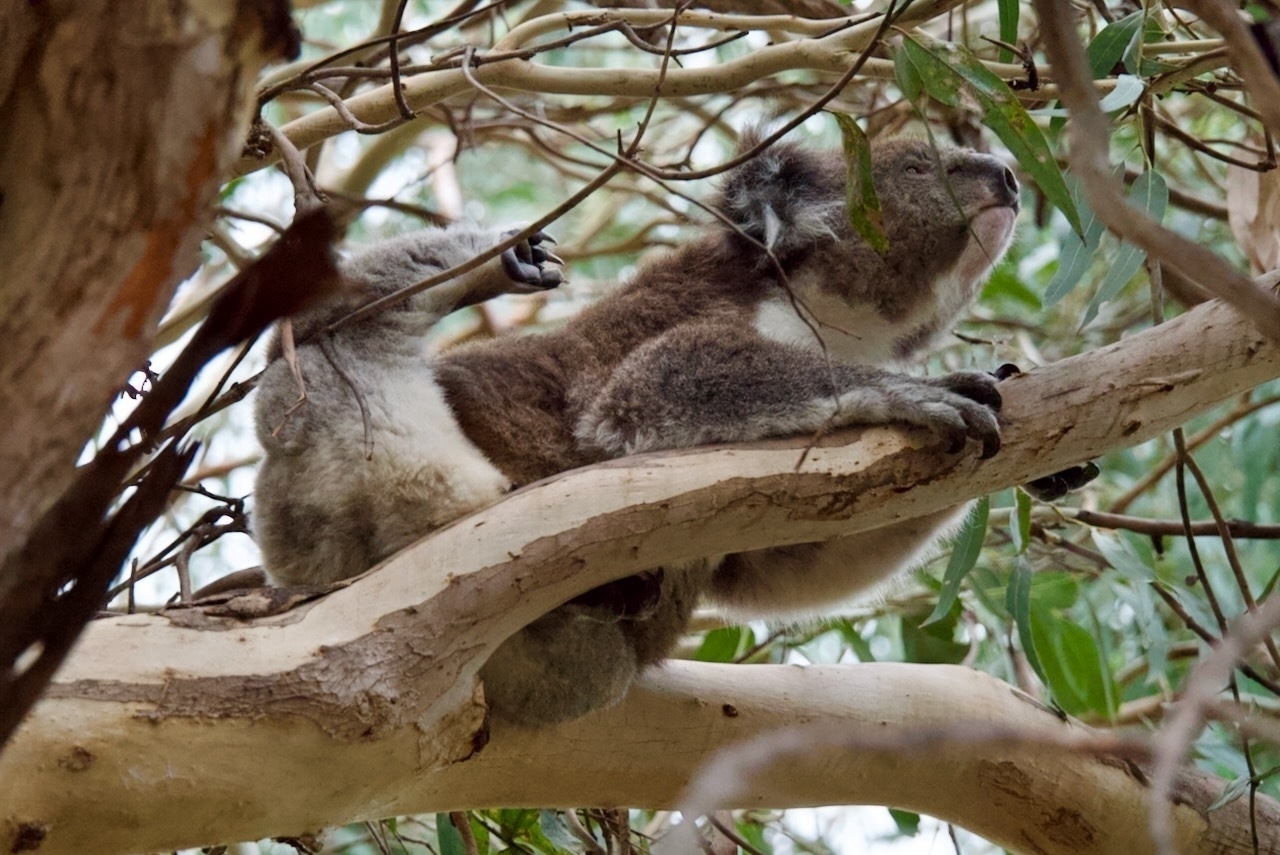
[364, 703]
[832, 52]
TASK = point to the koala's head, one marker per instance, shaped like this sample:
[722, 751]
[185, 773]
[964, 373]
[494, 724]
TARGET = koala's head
[958, 204]
[948, 213]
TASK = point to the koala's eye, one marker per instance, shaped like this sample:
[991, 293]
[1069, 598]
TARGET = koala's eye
[916, 169]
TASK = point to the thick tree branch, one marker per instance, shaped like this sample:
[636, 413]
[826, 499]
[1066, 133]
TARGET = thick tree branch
[363, 703]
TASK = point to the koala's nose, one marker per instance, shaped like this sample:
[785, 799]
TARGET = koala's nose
[1009, 192]
[1010, 181]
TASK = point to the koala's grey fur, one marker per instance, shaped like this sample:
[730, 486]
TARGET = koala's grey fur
[703, 345]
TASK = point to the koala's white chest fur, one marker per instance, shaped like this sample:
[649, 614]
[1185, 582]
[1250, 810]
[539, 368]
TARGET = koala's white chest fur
[421, 455]
[865, 338]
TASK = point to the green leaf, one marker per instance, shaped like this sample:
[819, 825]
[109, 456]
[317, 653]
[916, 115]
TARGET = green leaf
[447, 837]
[1109, 45]
[556, 830]
[1149, 193]
[1020, 521]
[861, 200]
[908, 823]
[1008, 12]
[1017, 599]
[1074, 253]
[724, 644]
[1071, 662]
[951, 74]
[964, 555]
[859, 645]
[1121, 556]
[1005, 284]
[1105, 51]
[1127, 91]
[934, 644]
[1054, 589]
[907, 77]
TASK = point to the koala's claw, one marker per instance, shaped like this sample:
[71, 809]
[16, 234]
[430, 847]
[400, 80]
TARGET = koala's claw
[523, 263]
[1005, 371]
[1050, 488]
[967, 410]
[977, 386]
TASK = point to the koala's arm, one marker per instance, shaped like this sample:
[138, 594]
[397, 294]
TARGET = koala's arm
[712, 383]
[716, 382]
[392, 265]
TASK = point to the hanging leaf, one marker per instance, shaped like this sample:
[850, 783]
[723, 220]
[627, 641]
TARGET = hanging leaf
[861, 202]
[448, 839]
[963, 556]
[1020, 521]
[724, 644]
[1008, 13]
[1074, 253]
[1017, 600]
[1148, 193]
[953, 76]
[1070, 662]
[1109, 46]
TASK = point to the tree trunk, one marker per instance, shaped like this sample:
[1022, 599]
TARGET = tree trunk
[121, 117]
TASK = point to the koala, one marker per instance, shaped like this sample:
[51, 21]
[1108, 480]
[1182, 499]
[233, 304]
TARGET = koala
[777, 321]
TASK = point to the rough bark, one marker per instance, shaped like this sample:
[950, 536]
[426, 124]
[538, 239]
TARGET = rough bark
[120, 119]
[363, 704]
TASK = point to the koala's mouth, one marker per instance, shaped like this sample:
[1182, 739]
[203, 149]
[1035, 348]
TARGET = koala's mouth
[991, 230]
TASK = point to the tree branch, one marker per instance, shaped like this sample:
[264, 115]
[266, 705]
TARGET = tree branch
[155, 721]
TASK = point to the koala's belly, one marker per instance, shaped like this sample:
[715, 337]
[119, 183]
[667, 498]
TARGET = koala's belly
[424, 472]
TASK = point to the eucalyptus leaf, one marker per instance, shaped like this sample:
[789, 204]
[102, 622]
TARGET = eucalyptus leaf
[1071, 662]
[964, 555]
[1020, 521]
[448, 839]
[1018, 602]
[861, 202]
[1074, 254]
[1007, 11]
[1150, 194]
[1127, 91]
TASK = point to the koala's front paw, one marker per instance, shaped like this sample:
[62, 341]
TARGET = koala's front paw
[523, 263]
[966, 409]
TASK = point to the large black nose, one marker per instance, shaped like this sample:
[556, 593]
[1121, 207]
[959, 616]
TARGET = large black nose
[1009, 192]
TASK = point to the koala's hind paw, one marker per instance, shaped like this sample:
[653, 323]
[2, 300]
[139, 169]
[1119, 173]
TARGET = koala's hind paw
[1050, 488]
[523, 263]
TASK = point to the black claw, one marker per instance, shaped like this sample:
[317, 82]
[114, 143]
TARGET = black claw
[523, 263]
[1053, 487]
[976, 387]
[990, 445]
[1005, 371]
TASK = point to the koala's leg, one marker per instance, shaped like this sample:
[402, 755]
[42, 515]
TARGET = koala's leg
[584, 655]
[795, 582]
[563, 665]
[704, 383]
